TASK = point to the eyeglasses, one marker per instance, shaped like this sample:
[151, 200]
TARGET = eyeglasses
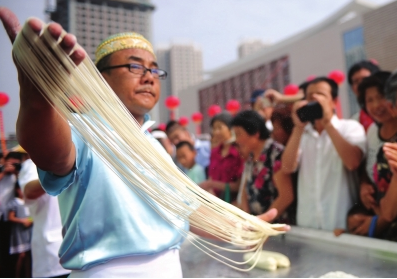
[140, 70]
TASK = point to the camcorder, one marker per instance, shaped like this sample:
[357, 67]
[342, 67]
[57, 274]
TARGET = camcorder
[310, 112]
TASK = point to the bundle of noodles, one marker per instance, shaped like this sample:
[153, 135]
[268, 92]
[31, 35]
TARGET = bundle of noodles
[84, 98]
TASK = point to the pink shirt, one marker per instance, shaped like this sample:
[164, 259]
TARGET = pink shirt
[225, 169]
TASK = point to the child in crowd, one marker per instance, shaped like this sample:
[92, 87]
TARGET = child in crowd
[21, 234]
[185, 155]
[354, 217]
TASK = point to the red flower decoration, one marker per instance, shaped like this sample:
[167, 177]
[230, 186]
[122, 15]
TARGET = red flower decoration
[375, 170]
[260, 179]
[383, 185]
[276, 166]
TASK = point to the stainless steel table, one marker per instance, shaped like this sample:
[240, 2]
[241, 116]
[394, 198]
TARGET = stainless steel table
[312, 253]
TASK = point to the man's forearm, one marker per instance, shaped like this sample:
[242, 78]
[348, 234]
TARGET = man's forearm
[289, 158]
[388, 205]
[44, 134]
[283, 183]
[292, 99]
[350, 154]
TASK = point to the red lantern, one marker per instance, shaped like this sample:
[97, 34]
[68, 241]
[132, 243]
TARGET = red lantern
[183, 121]
[214, 110]
[172, 102]
[197, 117]
[291, 89]
[4, 99]
[233, 106]
[337, 76]
[310, 78]
[162, 127]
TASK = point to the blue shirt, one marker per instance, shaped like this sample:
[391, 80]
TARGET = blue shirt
[103, 219]
[203, 148]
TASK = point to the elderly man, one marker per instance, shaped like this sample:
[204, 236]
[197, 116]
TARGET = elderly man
[108, 230]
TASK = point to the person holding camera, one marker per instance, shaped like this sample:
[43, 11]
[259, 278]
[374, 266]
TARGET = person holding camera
[327, 151]
[8, 178]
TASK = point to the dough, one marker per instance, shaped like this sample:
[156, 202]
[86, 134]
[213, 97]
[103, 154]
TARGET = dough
[268, 260]
[337, 274]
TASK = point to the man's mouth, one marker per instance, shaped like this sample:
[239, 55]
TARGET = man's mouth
[145, 92]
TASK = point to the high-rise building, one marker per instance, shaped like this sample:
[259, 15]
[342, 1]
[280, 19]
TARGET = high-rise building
[94, 20]
[184, 64]
[248, 47]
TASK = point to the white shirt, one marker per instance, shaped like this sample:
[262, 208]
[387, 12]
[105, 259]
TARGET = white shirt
[161, 265]
[7, 194]
[269, 125]
[374, 143]
[326, 189]
[356, 116]
[47, 229]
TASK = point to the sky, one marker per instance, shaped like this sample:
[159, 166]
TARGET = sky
[216, 26]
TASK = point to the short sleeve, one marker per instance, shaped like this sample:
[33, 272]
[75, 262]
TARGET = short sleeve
[27, 174]
[12, 206]
[54, 184]
[354, 133]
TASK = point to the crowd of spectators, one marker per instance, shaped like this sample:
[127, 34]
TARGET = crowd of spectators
[328, 173]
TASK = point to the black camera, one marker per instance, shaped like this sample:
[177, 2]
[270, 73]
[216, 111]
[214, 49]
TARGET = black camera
[17, 166]
[310, 112]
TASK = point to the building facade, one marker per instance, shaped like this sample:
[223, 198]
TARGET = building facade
[335, 43]
[248, 47]
[94, 20]
[380, 36]
[274, 74]
[184, 65]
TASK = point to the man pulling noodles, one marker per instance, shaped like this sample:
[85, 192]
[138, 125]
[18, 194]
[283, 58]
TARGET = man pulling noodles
[108, 231]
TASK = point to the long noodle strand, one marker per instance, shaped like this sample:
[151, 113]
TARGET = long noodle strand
[82, 97]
